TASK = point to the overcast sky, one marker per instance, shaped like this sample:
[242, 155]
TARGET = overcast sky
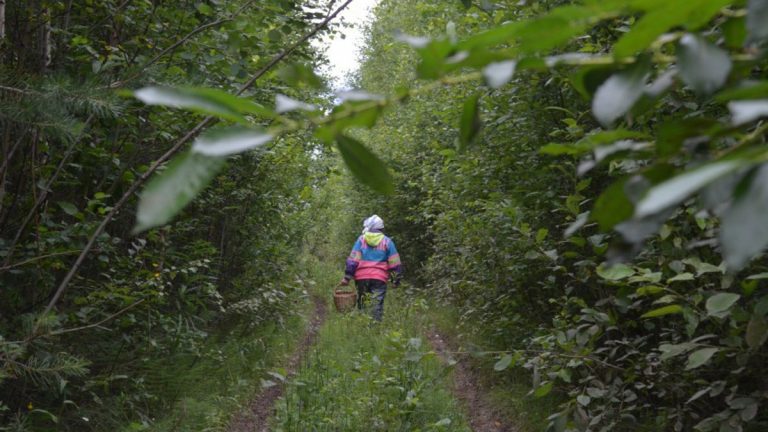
[344, 54]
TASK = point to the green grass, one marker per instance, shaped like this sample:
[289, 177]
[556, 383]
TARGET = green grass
[206, 392]
[360, 375]
[370, 376]
[508, 390]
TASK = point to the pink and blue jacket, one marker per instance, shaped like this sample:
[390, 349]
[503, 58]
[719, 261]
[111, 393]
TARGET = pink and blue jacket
[373, 256]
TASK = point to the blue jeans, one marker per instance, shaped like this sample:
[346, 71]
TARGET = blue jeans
[378, 289]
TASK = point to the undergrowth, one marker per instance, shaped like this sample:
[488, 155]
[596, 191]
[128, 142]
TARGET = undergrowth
[207, 390]
[214, 390]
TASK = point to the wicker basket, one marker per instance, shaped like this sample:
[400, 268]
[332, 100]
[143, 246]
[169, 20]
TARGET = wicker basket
[344, 300]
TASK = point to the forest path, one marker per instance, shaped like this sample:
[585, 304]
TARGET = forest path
[351, 373]
[255, 418]
[468, 389]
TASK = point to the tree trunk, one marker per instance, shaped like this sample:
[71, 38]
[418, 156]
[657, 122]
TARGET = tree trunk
[2, 19]
[46, 39]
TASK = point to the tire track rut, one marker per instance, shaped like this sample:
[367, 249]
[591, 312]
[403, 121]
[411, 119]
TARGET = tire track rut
[255, 418]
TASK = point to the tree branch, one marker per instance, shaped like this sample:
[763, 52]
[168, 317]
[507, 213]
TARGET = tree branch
[179, 42]
[173, 150]
[86, 327]
[40, 199]
[38, 258]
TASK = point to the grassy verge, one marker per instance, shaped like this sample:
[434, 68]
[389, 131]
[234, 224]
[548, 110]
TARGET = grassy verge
[508, 390]
[208, 392]
[204, 391]
[371, 376]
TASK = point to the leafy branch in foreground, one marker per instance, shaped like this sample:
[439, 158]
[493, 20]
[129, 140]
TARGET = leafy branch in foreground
[625, 91]
[188, 174]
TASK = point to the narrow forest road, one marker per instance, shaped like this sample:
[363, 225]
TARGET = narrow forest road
[466, 387]
[348, 373]
[255, 418]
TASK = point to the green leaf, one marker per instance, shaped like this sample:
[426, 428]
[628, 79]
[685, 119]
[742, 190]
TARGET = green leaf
[562, 24]
[744, 91]
[685, 276]
[649, 290]
[703, 66]
[68, 208]
[497, 74]
[673, 134]
[702, 267]
[434, 55]
[503, 363]
[558, 422]
[615, 272]
[666, 310]
[612, 206]
[592, 141]
[616, 96]
[662, 17]
[757, 16]
[365, 165]
[586, 80]
[494, 36]
[224, 142]
[757, 332]
[171, 190]
[747, 111]
[761, 308]
[285, 104]
[721, 302]
[48, 414]
[299, 73]
[467, 3]
[544, 389]
[703, 13]
[469, 125]
[348, 117]
[744, 232]
[206, 101]
[596, 393]
[583, 400]
[735, 32]
[235, 103]
[204, 9]
[669, 350]
[546, 32]
[700, 357]
[677, 189]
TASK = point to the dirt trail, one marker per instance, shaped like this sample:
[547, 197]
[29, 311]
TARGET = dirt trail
[254, 419]
[482, 417]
